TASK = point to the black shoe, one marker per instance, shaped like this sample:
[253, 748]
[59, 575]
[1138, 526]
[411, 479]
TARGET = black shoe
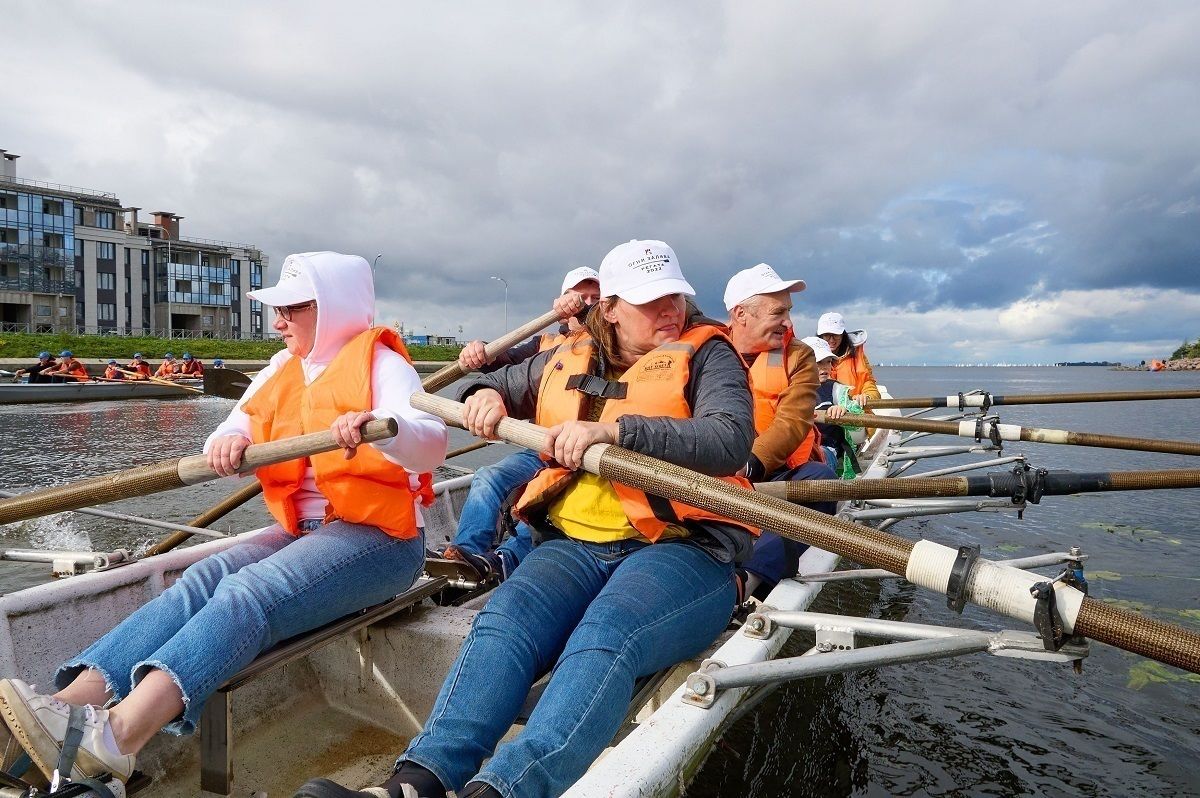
[324, 788]
[488, 567]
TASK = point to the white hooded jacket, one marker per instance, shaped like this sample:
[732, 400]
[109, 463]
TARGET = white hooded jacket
[345, 296]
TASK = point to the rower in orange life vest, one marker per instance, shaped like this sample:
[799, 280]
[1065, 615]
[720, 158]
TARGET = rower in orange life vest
[783, 379]
[191, 367]
[475, 539]
[113, 372]
[139, 367]
[853, 367]
[168, 369]
[69, 369]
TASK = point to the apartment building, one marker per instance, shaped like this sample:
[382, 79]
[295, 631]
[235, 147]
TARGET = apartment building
[73, 259]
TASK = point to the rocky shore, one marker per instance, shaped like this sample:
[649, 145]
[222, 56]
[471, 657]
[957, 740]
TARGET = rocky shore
[1183, 364]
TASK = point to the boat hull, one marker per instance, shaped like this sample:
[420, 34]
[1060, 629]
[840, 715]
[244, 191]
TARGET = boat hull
[26, 393]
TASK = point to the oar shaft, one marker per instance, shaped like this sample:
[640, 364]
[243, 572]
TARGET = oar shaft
[992, 400]
[972, 428]
[169, 474]
[445, 376]
[1001, 483]
[209, 516]
[1001, 588]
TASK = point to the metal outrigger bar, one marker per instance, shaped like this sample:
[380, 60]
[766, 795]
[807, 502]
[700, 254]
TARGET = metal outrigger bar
[836, 651]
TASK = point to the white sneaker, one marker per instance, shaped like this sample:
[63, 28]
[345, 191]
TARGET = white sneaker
[39, 723]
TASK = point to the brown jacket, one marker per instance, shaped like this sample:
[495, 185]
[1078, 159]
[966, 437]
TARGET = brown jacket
[793, 414]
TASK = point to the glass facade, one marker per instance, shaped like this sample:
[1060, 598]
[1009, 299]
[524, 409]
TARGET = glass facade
[37, 235]
[193, 285]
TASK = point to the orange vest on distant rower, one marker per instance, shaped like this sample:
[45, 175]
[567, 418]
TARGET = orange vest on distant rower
[366, 489]
[768, 380]
[655, 386]
[76, 370]
[852, 370]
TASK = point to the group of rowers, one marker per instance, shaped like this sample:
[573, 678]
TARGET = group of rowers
[67, 368]
[612, 584]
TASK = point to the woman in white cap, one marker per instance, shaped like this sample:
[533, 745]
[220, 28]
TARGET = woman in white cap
[622, 584]
[834, 398]
[348, 531]
[853, 367]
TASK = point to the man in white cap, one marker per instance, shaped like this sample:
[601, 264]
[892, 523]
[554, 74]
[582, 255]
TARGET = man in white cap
[475, 539]
[783, 379]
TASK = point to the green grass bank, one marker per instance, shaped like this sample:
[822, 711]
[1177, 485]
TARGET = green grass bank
[26, 345]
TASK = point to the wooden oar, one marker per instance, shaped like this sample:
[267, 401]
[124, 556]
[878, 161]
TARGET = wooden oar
[928, 564]
[1031, 484]
[168, 474]
[209, 516]
[982, 429]
[189, 529]
[445, 376]
[985, 399]
[159, 380]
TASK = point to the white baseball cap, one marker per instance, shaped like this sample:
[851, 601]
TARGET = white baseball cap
[641, 272]
[295, 287]
[834, 323]
[820, 349]
[760, 279]
[577, 276]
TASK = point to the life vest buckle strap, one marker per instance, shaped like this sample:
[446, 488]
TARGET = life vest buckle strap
[599, 387]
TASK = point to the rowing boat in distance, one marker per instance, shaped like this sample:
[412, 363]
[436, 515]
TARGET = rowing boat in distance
[24, 392]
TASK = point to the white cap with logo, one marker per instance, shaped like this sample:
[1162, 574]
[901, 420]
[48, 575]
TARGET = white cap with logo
[820, 349]
[577, 276]
[641, 272]
[294, 286]
[760, 279]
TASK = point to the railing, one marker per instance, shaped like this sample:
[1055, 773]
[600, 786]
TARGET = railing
[38, 285]
[124, 332]
[38, 254]
[88, 192]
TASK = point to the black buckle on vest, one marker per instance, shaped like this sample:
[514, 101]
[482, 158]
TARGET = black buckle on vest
[956, 597]
[599, 387]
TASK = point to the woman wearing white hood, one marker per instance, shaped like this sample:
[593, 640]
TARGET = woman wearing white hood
[853, 368]
[348, 531]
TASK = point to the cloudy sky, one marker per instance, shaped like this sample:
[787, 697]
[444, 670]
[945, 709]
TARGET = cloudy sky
[971, 182]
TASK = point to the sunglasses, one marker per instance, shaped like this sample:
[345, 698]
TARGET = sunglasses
[286, 311]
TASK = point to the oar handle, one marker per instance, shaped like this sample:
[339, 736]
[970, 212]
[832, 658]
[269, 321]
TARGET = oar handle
[168, 474]
[194, 468]
[447, 375]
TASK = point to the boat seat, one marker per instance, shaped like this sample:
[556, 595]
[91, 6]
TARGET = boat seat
[216, 720]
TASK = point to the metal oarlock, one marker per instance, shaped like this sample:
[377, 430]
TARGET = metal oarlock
[836, 650]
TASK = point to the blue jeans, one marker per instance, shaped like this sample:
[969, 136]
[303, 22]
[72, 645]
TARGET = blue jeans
[489, 488]
[774, 557]
[231, 606]
[600, 615]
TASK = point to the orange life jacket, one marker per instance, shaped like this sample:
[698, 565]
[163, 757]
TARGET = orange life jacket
[72, 368]
[113, 373]
[191, 367]
[768, 380]
[853, 370]
[142, 369]
[166, 369]
[366, 489]
[550, 340]
[654, 386]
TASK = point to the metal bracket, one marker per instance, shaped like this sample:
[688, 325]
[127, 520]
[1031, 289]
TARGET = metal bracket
[759, 626]
[700, 689]
[989, 427]
[956, 586]
[1026, 645]
[834, 638]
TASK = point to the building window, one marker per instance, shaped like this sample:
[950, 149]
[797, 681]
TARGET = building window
[237, 319]
[43, 310]
[106, 311]
[206, 321]
[106, 219]
[106, 281]
[106, 250]
[145, 286]
[62, 313]
[234, 265]
[145, 257]
[52, 207]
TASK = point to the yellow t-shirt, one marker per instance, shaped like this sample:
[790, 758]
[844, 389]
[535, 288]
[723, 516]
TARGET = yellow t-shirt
[590, 510]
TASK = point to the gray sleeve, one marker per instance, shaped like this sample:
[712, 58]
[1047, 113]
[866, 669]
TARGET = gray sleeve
[716, 440]
[517, 384]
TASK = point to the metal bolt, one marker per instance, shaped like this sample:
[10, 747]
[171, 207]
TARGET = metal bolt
[756, 624]
[1075, 551]
[824, 646]
[698, 686]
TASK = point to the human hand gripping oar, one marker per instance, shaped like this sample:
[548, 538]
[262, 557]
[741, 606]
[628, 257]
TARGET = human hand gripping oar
[962, 400]
[925, 563]
[990, 429]
[445, 376]
[176, 473]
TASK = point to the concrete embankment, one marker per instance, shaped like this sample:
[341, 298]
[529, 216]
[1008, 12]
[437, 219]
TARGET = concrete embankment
[96, 369]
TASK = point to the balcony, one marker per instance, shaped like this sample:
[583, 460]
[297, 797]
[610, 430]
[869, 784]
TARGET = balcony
[37, 255]
[37, 285]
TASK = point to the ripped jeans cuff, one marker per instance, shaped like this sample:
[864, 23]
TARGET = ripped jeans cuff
[187, 721]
